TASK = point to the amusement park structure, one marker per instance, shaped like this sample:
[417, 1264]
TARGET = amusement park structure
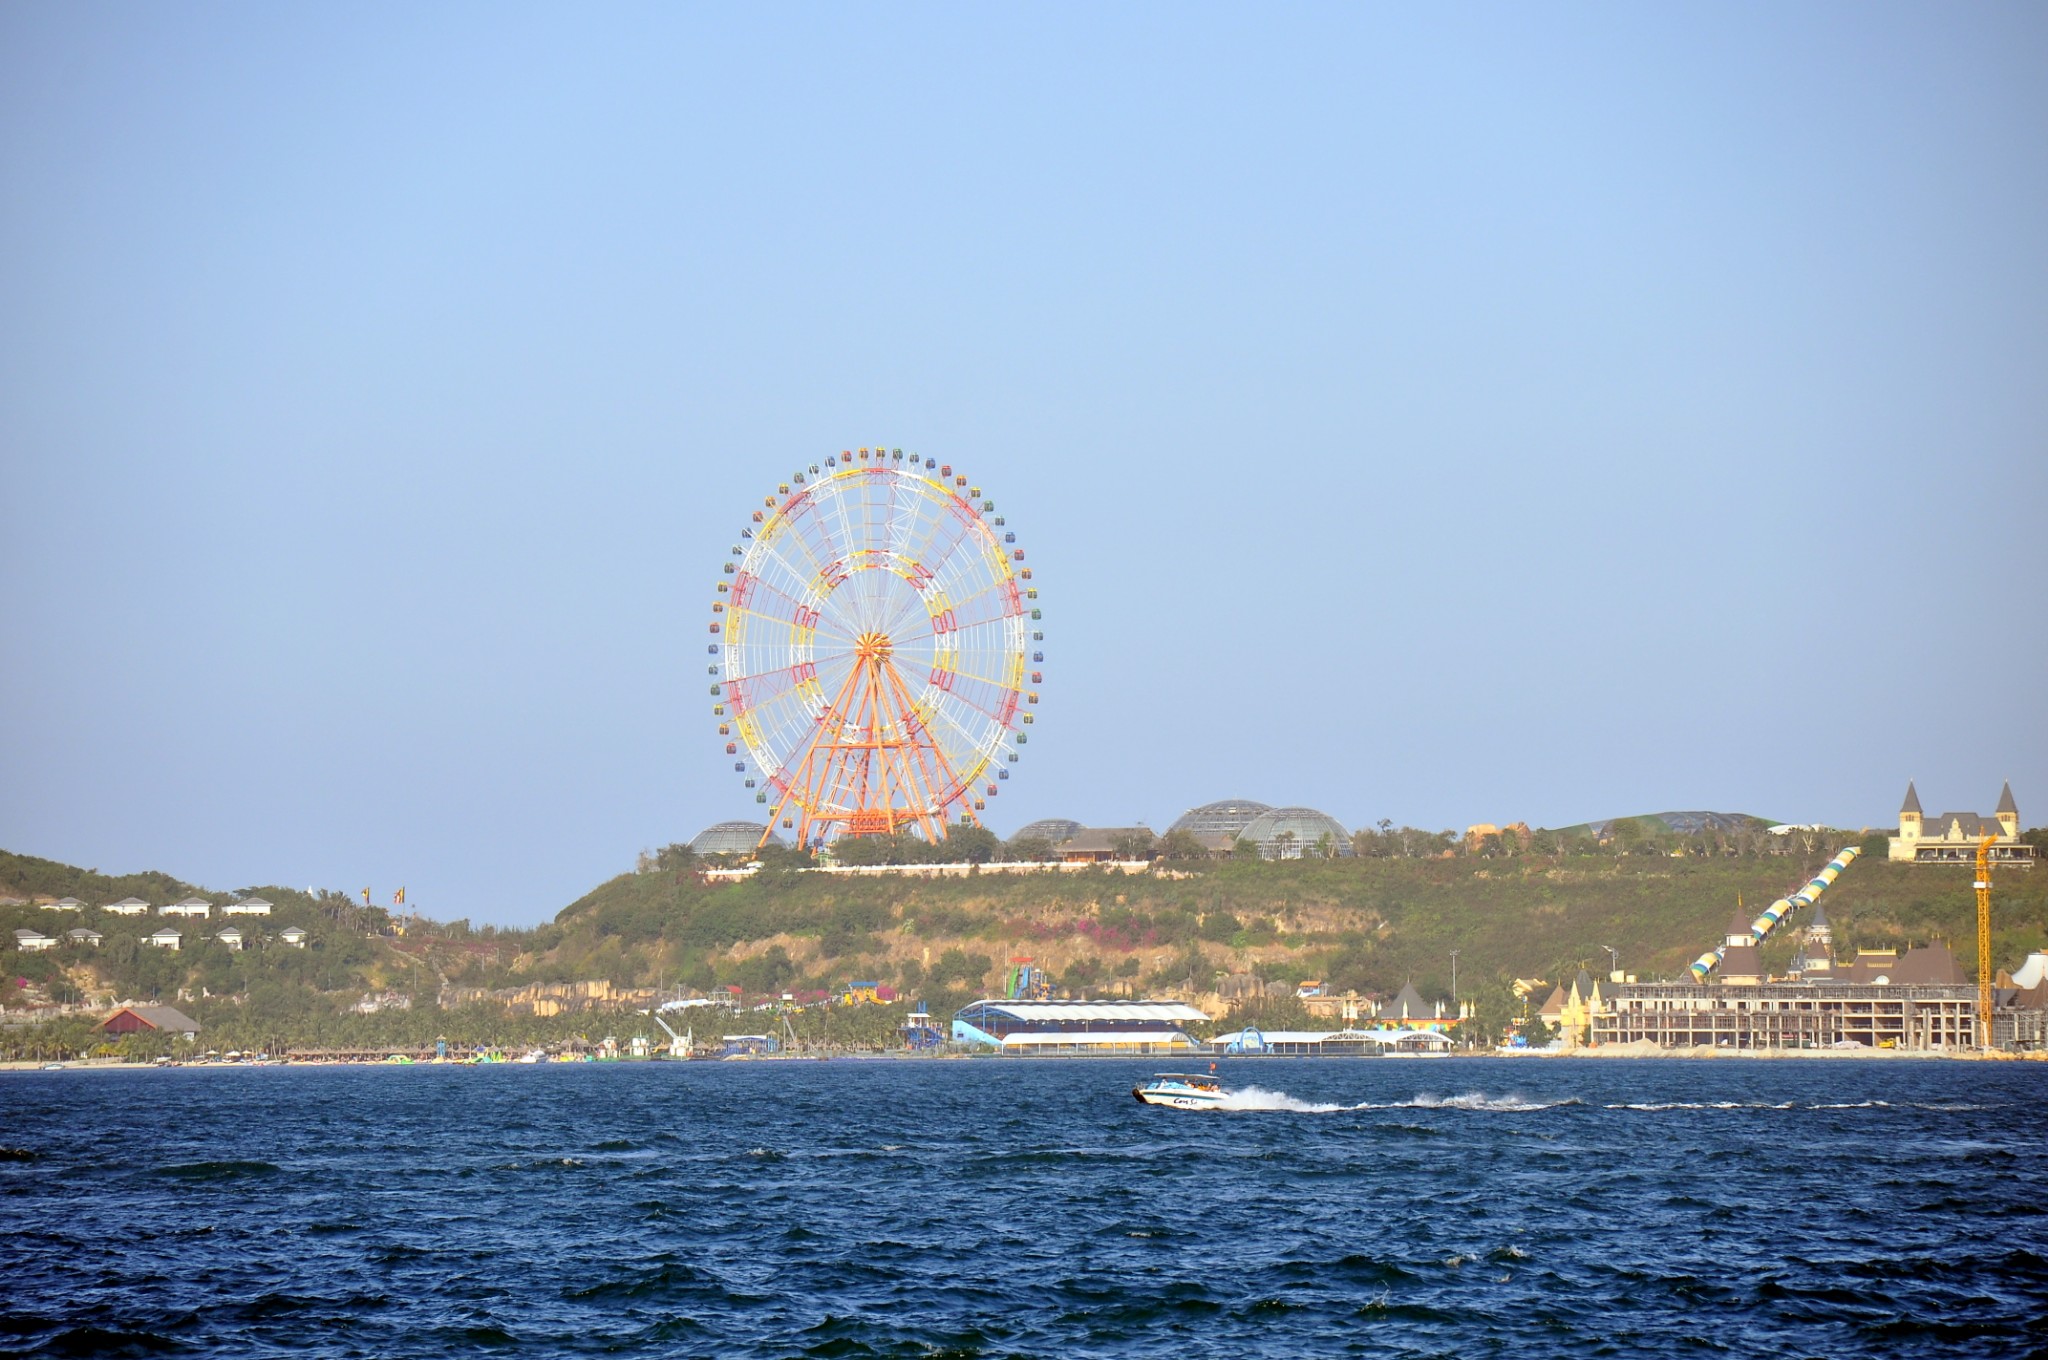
[869, 646]
[1764, 924]
[1983, 887]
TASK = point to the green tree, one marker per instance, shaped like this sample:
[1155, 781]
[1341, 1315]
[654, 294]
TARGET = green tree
[1268, 1012]
[1029, 850]
[861, 851]
[1190, 972]
[970, 843]
[1082, 974]
[957, 965]
[1134, 844]
[1182, 845]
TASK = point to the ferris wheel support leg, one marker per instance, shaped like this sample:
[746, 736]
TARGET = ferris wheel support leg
[934, 814]
[806, 779]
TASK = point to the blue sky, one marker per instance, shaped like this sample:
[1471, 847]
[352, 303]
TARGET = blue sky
[1451, 414]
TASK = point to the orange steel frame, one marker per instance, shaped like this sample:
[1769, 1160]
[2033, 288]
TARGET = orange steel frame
[872, 741]
[1983, 886]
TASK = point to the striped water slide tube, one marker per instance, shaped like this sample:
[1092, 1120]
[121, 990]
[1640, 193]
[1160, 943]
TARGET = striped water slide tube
[1768, 921]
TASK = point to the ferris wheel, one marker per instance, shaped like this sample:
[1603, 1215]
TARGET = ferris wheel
[875, 645]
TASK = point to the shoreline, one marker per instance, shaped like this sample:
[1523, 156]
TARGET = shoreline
[1608, 1052]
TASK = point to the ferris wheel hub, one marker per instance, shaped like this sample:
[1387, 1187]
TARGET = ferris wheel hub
[873, 646]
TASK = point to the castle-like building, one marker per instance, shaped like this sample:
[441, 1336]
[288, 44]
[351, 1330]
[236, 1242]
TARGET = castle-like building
[1952, 837]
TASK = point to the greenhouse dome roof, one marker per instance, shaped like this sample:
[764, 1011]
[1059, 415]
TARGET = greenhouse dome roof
[1292, 832]
[1222, 821]
[1054, 829]
[731, 838]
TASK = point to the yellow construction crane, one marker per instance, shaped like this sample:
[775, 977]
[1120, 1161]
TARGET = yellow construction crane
[1984, 1034]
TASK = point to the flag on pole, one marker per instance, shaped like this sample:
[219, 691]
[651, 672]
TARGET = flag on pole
[366, 897]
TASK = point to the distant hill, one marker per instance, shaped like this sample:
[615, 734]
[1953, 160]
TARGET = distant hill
[1682, 823]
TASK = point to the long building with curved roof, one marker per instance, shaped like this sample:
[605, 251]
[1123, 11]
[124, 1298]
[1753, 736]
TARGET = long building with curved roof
[1077, 1026]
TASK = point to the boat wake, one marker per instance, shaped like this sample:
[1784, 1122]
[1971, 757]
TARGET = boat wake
[1258, 1098]
[1472, 1100]
[1658, 1107]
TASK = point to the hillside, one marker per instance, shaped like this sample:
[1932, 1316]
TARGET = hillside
[1218, 932]
[1357, 924]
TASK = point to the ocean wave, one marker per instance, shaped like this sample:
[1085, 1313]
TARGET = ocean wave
[216, 1171]
[1660, 1106]
[543, 1164]
[107, 1341]
[666, 1280]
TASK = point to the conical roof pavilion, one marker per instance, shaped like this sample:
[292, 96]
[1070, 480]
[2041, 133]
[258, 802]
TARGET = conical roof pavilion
[1408, 1005]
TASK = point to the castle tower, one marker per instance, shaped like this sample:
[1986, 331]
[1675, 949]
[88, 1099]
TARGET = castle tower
[1909, 825]
[1820, 936]
[1817, 944]
[2008, 812]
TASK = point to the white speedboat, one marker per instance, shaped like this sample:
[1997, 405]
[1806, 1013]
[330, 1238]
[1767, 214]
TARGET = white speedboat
[1182, 1091]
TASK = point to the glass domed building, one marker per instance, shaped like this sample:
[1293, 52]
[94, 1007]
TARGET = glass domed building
[731, 838]
[1218, 825]
[1295, 832]
[1054, 829]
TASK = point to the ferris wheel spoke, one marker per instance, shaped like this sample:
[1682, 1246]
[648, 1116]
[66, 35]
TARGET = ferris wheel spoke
[971, 758]
[874, 582]
[789, 569]
[848, 541]
[963, 522]
[808, 528]
[795, 669]
[778, 592]
[997, 580]
[746, 618]
[968, 696]
[903, 612]
[964, 632]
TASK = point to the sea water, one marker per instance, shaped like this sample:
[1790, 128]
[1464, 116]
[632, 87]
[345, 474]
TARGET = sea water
[1381, 1207]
